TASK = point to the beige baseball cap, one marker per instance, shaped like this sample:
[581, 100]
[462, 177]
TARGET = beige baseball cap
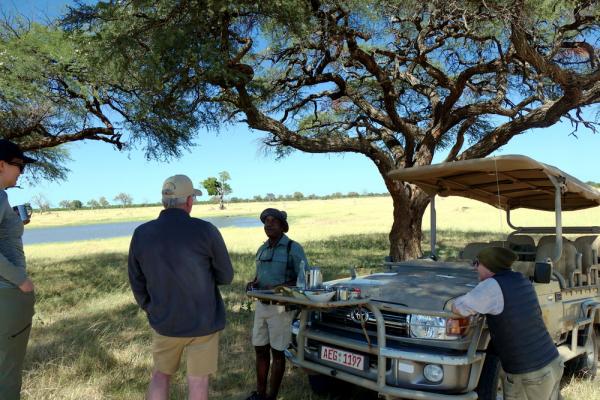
[179, 186]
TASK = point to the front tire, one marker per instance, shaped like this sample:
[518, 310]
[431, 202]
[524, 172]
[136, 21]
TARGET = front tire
[490, 385]
[335, 389]
[322, 384]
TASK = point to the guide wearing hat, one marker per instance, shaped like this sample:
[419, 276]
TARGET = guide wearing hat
[519, 337]
[176, 264]
[277, 263]
[16, 289]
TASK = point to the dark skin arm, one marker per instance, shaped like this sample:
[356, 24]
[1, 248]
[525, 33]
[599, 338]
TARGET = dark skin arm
[252, 284]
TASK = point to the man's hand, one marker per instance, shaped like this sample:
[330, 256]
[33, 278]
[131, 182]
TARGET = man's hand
[455, 309]
[27, 286]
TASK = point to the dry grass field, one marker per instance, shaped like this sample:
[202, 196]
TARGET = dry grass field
[90, 341]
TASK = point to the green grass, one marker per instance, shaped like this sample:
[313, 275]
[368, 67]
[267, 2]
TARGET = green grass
[90, 341]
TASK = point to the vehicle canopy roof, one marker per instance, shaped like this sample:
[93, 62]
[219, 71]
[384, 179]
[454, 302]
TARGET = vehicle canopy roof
[507, 182]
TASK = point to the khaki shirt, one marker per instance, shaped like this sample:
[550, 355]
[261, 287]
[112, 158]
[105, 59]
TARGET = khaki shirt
[274, 266]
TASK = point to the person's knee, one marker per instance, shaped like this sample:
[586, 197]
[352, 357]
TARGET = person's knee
[160, 376]
[278, 355]
[262, 351]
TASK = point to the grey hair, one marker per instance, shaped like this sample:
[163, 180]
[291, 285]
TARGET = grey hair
[175, 202]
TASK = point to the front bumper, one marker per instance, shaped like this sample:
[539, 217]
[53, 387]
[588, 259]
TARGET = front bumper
[391, 372]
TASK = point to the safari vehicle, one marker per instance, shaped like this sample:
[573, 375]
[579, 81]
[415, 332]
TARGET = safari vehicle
[404, 342]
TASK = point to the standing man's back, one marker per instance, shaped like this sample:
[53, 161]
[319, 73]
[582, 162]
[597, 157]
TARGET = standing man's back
[176, 263]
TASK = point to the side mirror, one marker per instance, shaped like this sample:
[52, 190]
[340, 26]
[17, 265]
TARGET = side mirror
[542, 272]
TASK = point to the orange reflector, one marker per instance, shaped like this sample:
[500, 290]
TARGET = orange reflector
[457, 326]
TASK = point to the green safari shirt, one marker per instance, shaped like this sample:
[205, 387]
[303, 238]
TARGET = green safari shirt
[272, 263]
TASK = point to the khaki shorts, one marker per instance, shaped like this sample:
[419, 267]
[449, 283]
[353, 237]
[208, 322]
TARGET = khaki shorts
[202, 353]
[272, 325]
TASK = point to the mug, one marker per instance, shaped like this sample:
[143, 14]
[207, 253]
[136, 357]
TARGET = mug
[341, 293]
[24, 212]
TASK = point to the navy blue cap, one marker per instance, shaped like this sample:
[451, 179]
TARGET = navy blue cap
[9, 151]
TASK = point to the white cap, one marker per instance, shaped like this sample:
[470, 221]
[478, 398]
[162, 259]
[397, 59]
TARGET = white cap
[177, 186]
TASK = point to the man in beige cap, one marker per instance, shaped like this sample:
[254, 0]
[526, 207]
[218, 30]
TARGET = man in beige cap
[519, 337]
[176, 263]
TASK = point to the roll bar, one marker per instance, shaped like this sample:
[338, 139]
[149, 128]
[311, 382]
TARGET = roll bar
[558, 230]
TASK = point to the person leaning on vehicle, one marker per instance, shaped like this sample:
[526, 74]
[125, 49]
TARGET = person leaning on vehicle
[277, 263]
[16, 289]
[176, 263]
[518, 334]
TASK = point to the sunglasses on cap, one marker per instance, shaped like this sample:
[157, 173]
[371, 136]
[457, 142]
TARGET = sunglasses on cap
[21, 165]
[475, 263]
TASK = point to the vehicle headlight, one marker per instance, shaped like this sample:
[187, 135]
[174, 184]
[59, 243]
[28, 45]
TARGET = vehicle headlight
[429, 327]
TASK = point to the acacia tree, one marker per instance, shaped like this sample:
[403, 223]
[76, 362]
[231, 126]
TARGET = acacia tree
[41, 203]
[218, 187]
[53, 91]
[396, 81]
[103, 202]
[124, 198]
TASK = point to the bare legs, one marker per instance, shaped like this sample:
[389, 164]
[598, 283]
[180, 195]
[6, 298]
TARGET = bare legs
[263, 362]
[159, 387]
[263, 359]
[198, 387]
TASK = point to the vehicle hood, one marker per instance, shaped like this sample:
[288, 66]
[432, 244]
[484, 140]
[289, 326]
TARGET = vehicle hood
[420, 284]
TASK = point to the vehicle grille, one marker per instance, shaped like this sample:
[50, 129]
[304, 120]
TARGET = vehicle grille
[395, 324]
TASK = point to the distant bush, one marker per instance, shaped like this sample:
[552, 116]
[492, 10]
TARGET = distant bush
[269, 197]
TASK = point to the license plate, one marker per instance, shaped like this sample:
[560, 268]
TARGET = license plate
[342, 357]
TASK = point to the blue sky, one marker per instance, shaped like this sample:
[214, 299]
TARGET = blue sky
[98, 169]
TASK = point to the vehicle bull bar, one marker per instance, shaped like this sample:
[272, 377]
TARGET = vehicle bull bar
[383, 352]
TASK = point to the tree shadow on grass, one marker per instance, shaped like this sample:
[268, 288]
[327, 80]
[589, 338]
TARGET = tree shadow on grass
[108, 345]
[99, 347]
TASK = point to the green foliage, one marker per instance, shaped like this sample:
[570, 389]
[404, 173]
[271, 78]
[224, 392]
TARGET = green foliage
[290, 60]
[70, 204]
[211, 185]
[594, 184]
[218, 187]
[75, 205]
[93, 204]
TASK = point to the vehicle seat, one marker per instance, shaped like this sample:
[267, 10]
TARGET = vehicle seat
[472, 249]
[500, 243]
[566, 264]
[588, 246]
[551, 239]
[522, 242]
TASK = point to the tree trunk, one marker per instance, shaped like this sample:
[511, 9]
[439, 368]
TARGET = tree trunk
[221, 204]
[406, 233]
